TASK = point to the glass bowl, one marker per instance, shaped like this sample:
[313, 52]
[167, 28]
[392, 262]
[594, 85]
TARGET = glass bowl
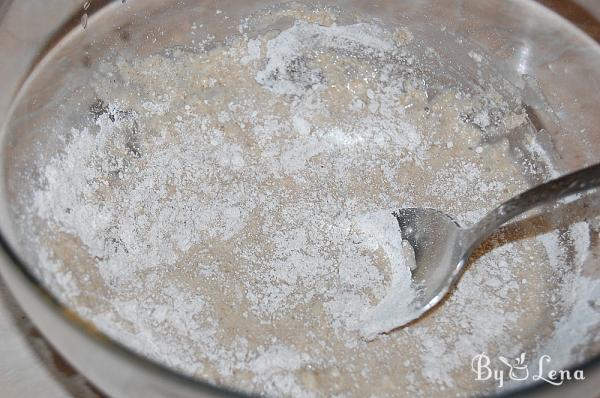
[48, 51]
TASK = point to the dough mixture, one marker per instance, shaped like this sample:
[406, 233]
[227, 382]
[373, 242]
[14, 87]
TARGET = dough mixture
[227, 211]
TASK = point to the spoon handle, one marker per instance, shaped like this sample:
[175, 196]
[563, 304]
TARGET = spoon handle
[551, 191]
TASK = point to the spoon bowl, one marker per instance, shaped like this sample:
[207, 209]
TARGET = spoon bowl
[442, 247]
[440, 253]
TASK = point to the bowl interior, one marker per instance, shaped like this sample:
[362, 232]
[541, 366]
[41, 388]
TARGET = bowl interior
[531, 57]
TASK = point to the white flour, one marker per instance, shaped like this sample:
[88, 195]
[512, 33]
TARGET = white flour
[395, 308]
[238, 226]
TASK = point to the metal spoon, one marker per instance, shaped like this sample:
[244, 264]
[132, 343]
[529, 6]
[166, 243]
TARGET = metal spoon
[442, 247]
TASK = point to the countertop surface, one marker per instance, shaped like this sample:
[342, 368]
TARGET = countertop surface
[29, 367]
